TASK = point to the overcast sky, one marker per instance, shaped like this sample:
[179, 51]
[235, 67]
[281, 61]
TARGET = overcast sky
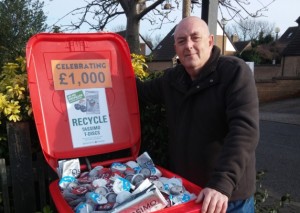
[282, 13]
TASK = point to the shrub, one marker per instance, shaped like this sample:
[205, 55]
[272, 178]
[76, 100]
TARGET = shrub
[154, 130]
[14, 98]
[251, 55]
[262, 201]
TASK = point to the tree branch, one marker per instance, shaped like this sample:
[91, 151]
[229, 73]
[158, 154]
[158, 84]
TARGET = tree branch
[149, 8]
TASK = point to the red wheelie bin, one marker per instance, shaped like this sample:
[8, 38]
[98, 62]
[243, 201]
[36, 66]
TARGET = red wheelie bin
[84, 99]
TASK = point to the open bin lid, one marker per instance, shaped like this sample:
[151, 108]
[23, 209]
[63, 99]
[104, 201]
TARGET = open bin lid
[83, 93]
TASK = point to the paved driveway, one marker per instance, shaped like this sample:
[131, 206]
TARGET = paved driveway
[278, 152]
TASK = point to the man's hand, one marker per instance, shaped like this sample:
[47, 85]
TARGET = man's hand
[212, 201]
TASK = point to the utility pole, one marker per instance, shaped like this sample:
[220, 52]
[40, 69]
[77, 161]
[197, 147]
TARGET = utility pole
[209, 14]
[186, 8]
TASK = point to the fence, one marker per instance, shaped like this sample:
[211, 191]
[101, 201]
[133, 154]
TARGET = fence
[24, 180]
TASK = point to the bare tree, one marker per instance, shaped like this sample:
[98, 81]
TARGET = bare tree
[239, 9]
[268, 28]
[98, 13]
[231, 30]
[252, 29]
[154, 40]
[119, 28]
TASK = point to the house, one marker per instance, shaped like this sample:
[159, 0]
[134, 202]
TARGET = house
[146, 46]
[290, 60]
[222, 36]
[285, 79]
[164, 56]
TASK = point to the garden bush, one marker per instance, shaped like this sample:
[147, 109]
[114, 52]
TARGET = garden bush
[14, 98]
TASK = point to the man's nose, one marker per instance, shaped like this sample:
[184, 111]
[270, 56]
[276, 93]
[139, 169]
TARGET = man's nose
[189, 43]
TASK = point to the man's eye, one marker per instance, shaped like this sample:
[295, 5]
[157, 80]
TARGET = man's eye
[180, 41]
[196, 38]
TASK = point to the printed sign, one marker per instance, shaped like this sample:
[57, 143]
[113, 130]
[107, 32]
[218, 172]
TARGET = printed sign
[88, 117]
[81, 74]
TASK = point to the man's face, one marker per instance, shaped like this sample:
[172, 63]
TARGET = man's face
[193, 46]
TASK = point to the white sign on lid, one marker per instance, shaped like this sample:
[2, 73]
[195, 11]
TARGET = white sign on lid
[88, 117]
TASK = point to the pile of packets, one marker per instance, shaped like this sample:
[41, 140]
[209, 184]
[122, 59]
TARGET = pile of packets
[133, 186]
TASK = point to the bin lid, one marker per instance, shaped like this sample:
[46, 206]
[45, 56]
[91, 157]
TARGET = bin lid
[83, 94]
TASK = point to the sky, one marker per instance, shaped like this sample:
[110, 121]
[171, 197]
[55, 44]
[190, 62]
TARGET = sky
[283, 13]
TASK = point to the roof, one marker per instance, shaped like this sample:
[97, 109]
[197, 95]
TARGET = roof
[291, 38]
[122, 33]
[165, 50]
[293, 47]
[241, 45]
[148, 43]
[288, 35]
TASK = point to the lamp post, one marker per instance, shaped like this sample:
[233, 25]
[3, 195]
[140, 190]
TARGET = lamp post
[277, 30]
[223, 22]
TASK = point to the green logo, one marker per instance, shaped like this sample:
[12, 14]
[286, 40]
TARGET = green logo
[75, 96]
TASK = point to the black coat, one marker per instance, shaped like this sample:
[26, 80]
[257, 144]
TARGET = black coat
[213, 123]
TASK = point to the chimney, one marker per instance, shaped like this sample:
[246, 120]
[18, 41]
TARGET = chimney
[298, 21]
[234, 37]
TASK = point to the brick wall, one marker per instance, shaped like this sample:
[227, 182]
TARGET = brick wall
[291, 66]
[271, 85]
[278, 88]
[159, 66]
[267, 72]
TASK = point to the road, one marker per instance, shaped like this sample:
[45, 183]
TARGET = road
[278, 153]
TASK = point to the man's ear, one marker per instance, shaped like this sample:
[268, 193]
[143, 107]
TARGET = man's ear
[211, 40]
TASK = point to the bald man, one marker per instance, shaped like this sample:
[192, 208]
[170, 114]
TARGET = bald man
[212, 115]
